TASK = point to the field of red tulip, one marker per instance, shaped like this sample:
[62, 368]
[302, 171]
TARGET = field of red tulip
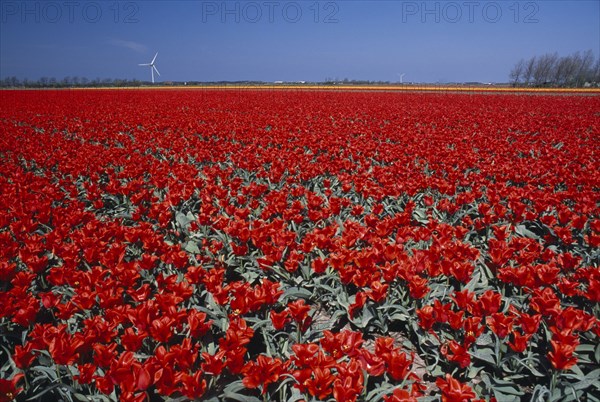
[179, 245]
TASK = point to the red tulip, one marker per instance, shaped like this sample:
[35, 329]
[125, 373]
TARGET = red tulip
[400, 395]
[263, 372]
[453, 390]
[9, 389]
[500, 324]
[561, 357]
[455, 352]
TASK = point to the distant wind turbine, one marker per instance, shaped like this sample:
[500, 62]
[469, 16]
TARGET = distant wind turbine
[152, 67]
[401, 76]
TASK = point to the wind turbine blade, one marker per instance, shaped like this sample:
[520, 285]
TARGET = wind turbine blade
[152, 62]
[145, 64]
[155, 69]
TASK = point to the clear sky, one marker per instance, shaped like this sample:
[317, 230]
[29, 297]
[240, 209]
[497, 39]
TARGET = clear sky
[271, 40]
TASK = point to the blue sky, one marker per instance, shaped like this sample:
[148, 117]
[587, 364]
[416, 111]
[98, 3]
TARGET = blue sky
[427, 41]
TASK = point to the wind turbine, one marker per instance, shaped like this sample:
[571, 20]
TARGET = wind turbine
[401, 77]
[152, 67]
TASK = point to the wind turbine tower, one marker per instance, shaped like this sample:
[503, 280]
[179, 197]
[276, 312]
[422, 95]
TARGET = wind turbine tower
[152, 66]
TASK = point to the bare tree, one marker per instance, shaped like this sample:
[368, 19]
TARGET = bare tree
[517, 72]
[571, 68]
[585, 67]
[596, 72]
[528, 72]
[543, 68]
[558, 74]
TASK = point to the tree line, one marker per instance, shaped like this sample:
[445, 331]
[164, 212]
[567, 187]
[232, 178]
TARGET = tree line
[75, 81]
[550, 69]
